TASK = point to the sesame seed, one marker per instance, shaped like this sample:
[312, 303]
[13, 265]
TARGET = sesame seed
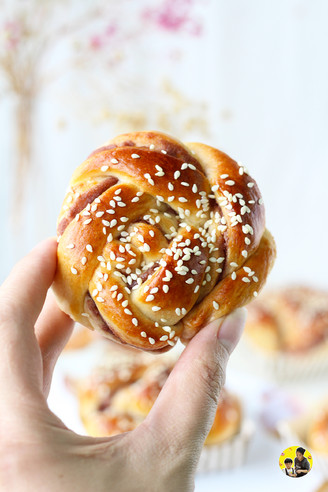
[86, 222]
[114, 161]
[165, 288]
[255, 293]
[163, 151]
[260, 201]
[233, 276]
[127, 311]
[230, 182]
[176, 174]
[143, 334]
[190, 281]
[95, 292]
[135, 199]
[151, 340]
[150, 298]
[135, 156]
[99, 214]
[151, 146]
[135, 321]
[244, 253]
[100, 299]
[100, 258]
[182, 199]
[164, 338]
[196, 289]
[247, 241]
[255, 279]
[156, 308]
[178, 311]
[113, 223]
[70, 246]
[74, 270]
[84, 260]
[215, 305]
[224, 176]
[104, 168]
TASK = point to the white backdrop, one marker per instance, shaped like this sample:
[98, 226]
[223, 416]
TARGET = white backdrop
[257, 75]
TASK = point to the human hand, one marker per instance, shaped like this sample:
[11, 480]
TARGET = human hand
[39, 453]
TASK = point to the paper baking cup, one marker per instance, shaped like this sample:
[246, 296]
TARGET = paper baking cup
[293, 432]
[228, 454]
[279, 366]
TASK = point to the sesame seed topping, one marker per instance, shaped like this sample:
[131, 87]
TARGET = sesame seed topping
[255, 293]
[135, 156]
[100, 299]
[215, 305]
[143, 334]
[233, 276]
[84, 260]
[164, 338]
[244, 253]
[230, 182]
[156, 308]
[104, 168]
[70, 246]
[86, 222]
[151, 146]
[165, 288]
[178, 311]
[250, 185]
[114, 161]
[74, 270]
[176, 174]
[151, 340]
[99, 214]
[224, 176]
[150, 298]
[135, 321]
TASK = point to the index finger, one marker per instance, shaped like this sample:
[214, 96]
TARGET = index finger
[22, 296]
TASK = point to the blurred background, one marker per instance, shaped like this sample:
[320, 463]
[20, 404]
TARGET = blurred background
[250, 77]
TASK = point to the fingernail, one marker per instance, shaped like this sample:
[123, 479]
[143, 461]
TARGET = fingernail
[231, 329]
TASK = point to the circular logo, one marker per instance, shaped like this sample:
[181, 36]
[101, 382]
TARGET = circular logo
[295, 461]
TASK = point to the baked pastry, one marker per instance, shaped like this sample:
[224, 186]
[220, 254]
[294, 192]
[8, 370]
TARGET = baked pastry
[157, 238]
[118, 400]
[317, 435]
[293, 319]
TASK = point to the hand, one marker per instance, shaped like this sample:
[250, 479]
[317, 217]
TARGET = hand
[39, 453]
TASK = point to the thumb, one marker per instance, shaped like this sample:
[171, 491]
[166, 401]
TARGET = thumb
[183, 412]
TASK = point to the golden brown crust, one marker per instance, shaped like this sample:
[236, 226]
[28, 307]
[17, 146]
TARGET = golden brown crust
[118, 400]
[293, 319]
[317, 437]
[152, 234]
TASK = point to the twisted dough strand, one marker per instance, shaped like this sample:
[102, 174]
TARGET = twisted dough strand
[158, 238]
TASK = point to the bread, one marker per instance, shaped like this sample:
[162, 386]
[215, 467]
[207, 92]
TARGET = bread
[317, 435]
[118, 400]
[293, 319]
[157, 239]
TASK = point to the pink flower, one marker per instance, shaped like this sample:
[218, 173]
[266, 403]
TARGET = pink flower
[174, 16]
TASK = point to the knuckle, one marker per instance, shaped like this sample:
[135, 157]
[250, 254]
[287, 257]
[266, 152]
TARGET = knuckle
[212, 377]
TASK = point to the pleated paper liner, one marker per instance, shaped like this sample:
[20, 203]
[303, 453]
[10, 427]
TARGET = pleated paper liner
[280, 366]
[228, 454]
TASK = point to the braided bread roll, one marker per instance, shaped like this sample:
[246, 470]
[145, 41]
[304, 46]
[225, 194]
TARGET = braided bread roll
[158, 238]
